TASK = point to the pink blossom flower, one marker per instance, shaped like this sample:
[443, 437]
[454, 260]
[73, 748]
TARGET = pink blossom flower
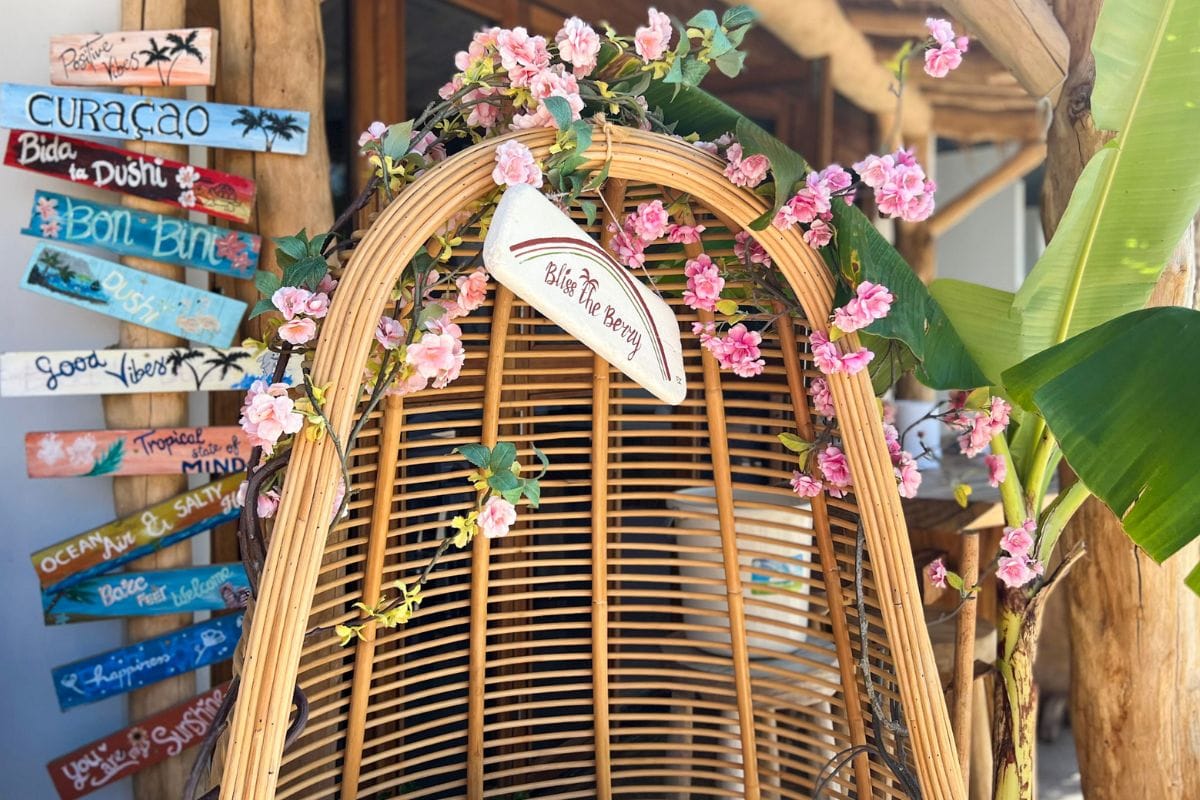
[805, 485]
[857, 361]
[958, 398]
[300, 330]
[826, 355]
[522, 55]
[650, 221]
[515, 164]
[651, 41]
[819, 233]
[50, 228]
[891, 437]
[875, 170]
[374, 133]
[802, 207]
[437, 356]
[1019, 541]
[704, 283]
[47, 208]
[408, 383]
[936, 572]
[684, 234]
[327, 284]
[998, 413]
[834, 179]
[482, 114]
[749, 171]
[290, 300]
[997, 468]
[834, 466]
[316, 306]
[627, 246]
[737, 351]
[187, 176]
[907, 475]
[496, 516]
[747, 250]
[389, 333]
[940, 30]
[822, 398]
[230, 245]
[939, 61]
[267, 503]
[578, 45]
[268, 413]
[1014, 571]
[872, 301]
[187, 199]
[472, 291]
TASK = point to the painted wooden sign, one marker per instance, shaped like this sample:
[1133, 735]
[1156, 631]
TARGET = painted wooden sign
[129, 232]
[132, 295]
[214, 587]
[131, 750]
[544, 258]
[142, 451]
[165, 369]
[175, 183]
[185, 57]
[100, 550]
[153, 119]
[128, 668]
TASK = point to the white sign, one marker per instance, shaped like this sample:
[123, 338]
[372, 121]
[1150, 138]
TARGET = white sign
[545, 259]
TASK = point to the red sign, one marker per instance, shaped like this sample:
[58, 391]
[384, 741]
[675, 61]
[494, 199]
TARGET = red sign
[121, 754]
[214, 193]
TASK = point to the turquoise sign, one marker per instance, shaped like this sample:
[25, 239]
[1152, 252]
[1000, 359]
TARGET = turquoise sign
[52, 109]
[128, 668]
[129, 232]
[133, 296]
[215, 587]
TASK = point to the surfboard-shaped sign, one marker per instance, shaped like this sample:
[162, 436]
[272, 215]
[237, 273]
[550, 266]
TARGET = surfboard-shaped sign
[546, 260]
[133, 296]
[184, 57]
[162, 180]
[129, 232]
[100, 550]
[131, 750]
[153, 119]
[213, 587]
[143, 451]
[127, 668]
[164, 369]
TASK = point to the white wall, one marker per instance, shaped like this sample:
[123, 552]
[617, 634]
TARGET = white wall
[989, 245]
[40, 512]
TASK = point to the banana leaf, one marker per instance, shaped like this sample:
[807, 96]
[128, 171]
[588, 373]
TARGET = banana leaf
[1123, 409]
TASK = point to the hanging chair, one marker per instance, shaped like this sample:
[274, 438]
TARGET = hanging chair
[671, 622]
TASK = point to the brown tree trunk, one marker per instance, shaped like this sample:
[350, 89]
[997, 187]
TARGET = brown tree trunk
[1135, 627]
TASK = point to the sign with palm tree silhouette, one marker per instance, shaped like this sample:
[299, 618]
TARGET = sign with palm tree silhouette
[135, 58]
[50, 109]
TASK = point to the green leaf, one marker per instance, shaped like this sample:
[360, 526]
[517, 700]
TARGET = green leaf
[694, 72]
[787, 166]
[705, 19]
[504, 481]
[736, 35]
[738, 15]
[533, 490]
[306, 272]
[513, 495]
[987, 323]
[1137, 195]
[720, 44]
[262, 307]
[730, 64]
[267, 283]
[111, 460]
[317, 244]
[503, 455]
[290, 249]
[560, 110]
[398, 139]
[583, 135]
[597, 180]
[589, 211]
[476, 454]
[542, 458]
[1124, 413]
[430, 311]
[794, 443]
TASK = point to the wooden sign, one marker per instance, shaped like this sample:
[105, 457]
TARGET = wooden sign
[73, 220]
[69, 562]
[185, 57]
[143, 451]
[131, 750]
[128, 668]
[545, 259]
[214, 587]
[165, 369]
[153, 119]
[217, 194]
[133, 296]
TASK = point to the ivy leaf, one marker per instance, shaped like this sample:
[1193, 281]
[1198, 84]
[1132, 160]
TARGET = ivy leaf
[542, 458]
[736, 35]
[730, 63]
[589, 211]
[317, 244]
[267, 283]
[533, 491]
[430, 311]
[306, 272]
[694, 72]
[738, 15]
[583, 135]
[599, 178]
[792, 442]
[503, 455]
[261, 307]
[504, 481]
[290, 249]
[720, 44]
[476, 454]
[397, 139]
[705, 19]
[560, 110]
[512, 495]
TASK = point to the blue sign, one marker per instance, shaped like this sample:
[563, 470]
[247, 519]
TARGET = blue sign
[216, 587]
[133, 296]
[128, 668]
[73, 220]
[154, 119]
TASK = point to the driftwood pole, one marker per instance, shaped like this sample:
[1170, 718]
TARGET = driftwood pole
[1135, 627]
[131, 494]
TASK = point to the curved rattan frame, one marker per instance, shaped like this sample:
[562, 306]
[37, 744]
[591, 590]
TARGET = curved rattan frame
[274, 641]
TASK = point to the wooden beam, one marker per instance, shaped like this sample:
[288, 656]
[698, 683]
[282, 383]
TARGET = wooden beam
[1015, 168]
[890, 24]
[1024, 35]
[818, 28]
[970, 127]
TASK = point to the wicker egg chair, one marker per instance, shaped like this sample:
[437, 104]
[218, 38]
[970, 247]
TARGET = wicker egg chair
[672, 622]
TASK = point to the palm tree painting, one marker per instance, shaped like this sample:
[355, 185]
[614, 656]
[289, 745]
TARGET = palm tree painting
[225, 361]
[273, 126]
[180, 357]
[182, 47]
[158, 55]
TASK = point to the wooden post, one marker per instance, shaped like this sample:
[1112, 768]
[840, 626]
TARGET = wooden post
[131, 494]
[1135, 627]
[964, 655]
